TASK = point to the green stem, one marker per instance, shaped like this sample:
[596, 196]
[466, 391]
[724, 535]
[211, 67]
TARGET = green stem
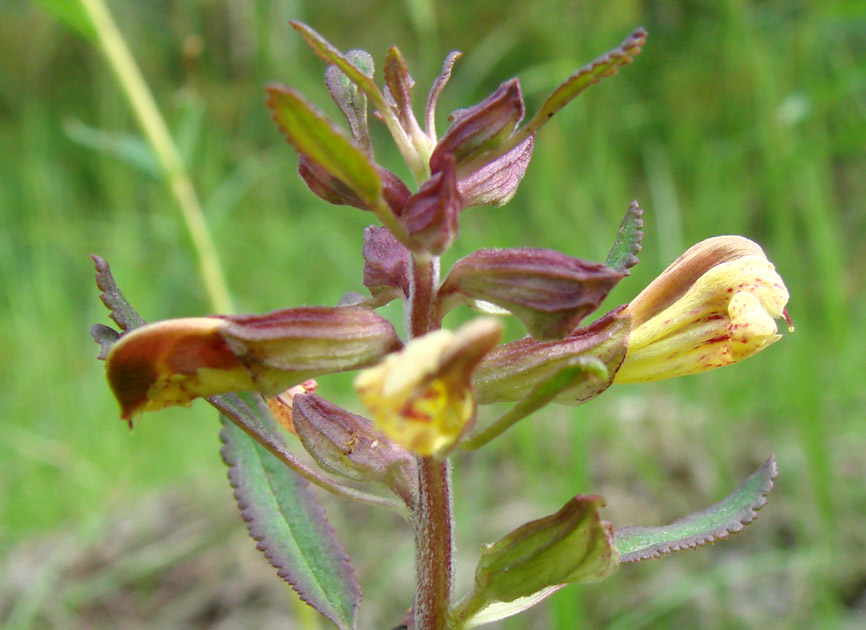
[173, 170]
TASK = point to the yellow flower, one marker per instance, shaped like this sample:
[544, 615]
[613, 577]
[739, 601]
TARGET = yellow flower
[420, 397]
[713, 306]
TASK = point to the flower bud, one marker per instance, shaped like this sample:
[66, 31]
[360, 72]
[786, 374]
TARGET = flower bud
[172, 362]
[548, 291]
[511, 371]
[713, 306]
[348, 445]
[482, 127]
[386, 262]
[431, 214]
[332, 189]
[495, 183]
[572, 545]
[421, 397]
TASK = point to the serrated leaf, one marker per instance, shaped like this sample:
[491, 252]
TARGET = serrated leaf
[329, 53]
[317, 137]
[716, 522]
[121, 312]
[623, 254]
[283, 516]
[605, 66]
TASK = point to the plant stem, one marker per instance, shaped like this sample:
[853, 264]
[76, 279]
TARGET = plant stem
[173, 169]
[434, 539]
[420, 310]
[434, 545]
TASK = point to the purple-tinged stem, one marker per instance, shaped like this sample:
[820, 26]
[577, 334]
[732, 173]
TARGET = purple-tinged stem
[434, 537]
[434, 545]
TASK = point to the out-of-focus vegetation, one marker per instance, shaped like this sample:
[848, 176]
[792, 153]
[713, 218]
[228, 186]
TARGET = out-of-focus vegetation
[739, 117]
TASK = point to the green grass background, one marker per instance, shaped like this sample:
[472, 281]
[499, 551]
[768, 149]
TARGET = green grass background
[739, 117]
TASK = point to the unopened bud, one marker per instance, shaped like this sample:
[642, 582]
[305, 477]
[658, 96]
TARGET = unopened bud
[715, 305]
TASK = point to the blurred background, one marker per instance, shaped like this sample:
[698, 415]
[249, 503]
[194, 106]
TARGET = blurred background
[744, 117]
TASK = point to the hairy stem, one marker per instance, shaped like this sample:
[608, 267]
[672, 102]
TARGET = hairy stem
[434, 545]
[434, 538]
[155, 130]
[421, 309]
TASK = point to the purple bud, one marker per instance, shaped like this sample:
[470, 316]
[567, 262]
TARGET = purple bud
[511, 371]
[548, 291]
[431, 214]
[482, 127]
[495, 183]
[386, 262]
[333, 190]
[348, 445]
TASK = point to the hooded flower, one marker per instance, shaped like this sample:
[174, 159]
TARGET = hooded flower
[421, 397]
[713, 306]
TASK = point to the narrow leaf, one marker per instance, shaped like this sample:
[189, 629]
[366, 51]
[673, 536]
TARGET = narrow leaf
[315, 136]
[289, 525]
[114, 300]
[329, 53]
[623, 254]
[436, 91]
[73, 15]
[399, 86]
[605, 66]
[716, 522]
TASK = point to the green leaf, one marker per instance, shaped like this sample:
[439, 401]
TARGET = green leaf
[73, 15]
[623, 254]
[284, 517]
[718, 521]
[605, 66]
[315, 136]
[570, 546]
[329, 53]
[128, 147]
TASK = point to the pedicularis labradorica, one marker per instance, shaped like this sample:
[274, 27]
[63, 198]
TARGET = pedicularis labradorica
[713, 306]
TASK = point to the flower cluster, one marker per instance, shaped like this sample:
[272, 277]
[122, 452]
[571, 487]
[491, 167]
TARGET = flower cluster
[713, 306]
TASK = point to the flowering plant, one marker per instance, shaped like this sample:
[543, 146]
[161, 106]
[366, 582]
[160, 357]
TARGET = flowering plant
[713, 306]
